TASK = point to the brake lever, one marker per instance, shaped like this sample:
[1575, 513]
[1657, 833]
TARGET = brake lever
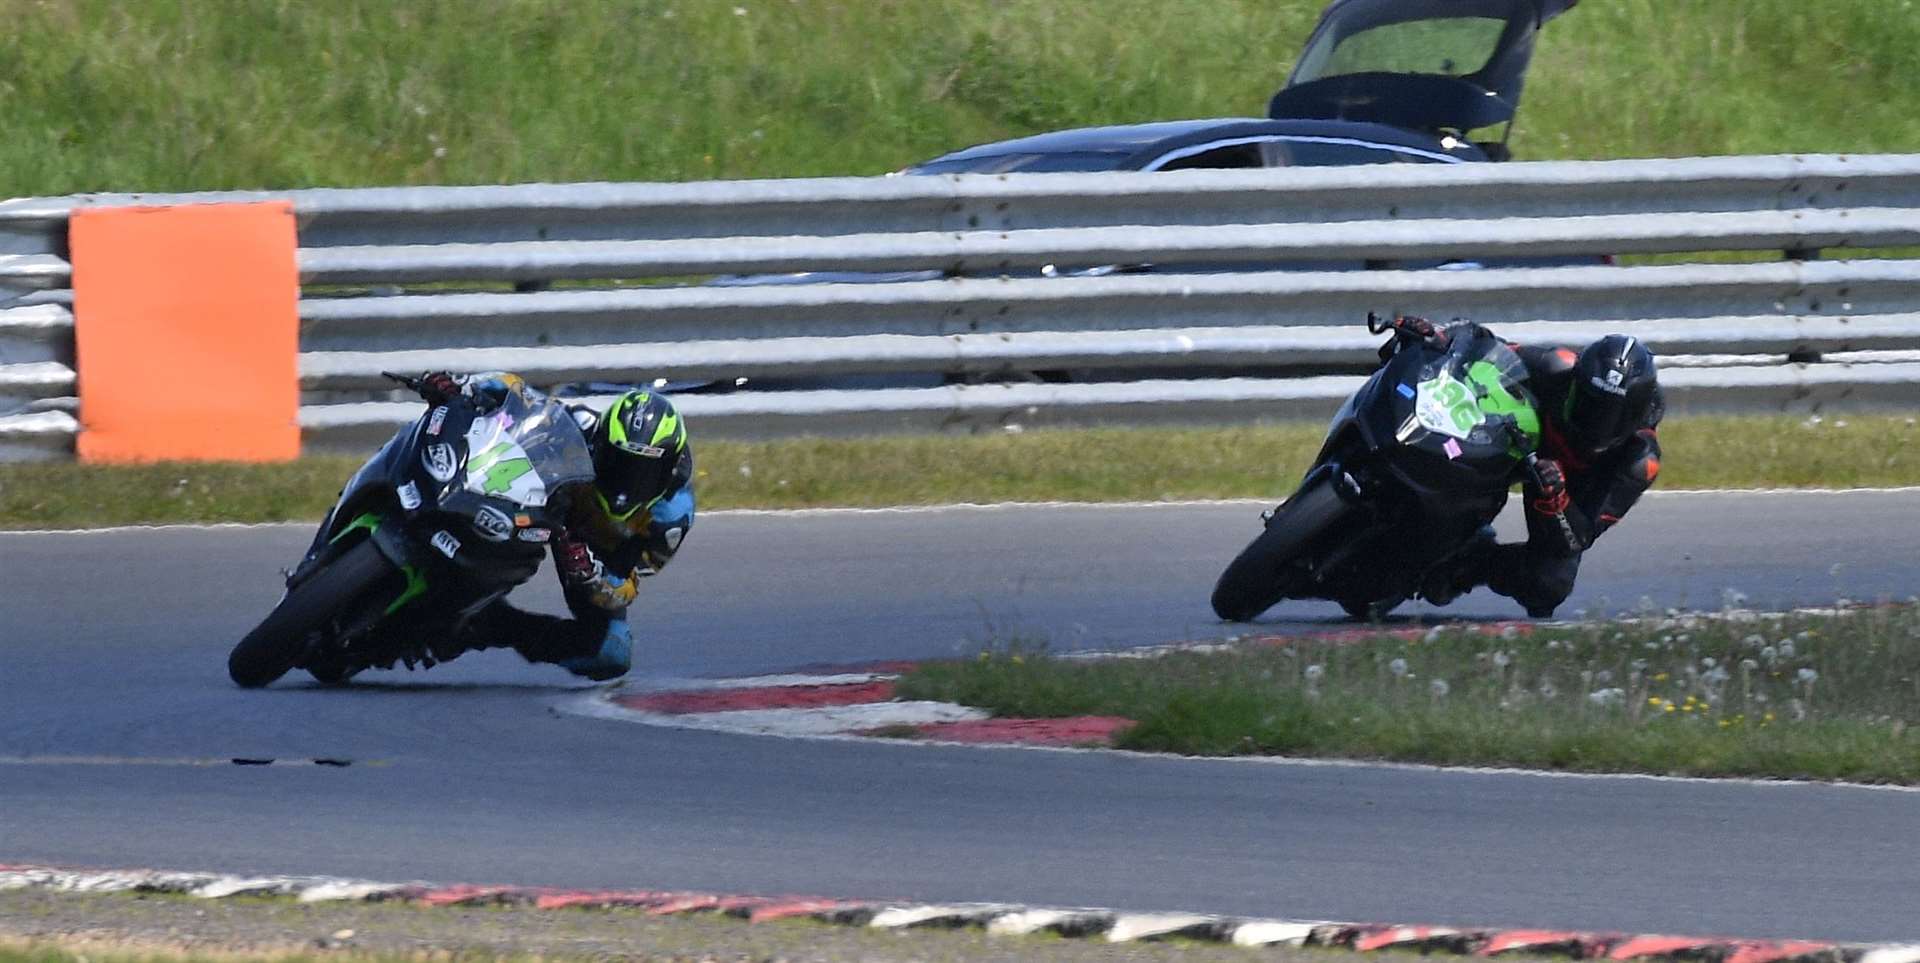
[410, 382]
[1375, 325]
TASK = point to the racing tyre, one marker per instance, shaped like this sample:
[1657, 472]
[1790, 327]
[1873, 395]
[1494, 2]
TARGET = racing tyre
[1261, 574]
[280, 640]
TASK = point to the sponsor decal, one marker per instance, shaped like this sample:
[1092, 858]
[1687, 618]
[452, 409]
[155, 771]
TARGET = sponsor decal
[445, 542]
[492, 523]
[437, 419]
[522, 521]
[538, 536]
[1406, 390]
[1452, 448]
[438, 458]
[1612, 383]
[409, 496]
[649, 451]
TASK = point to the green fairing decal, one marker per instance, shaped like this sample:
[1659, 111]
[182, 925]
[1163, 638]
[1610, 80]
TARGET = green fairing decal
[416, 586]
[368, 521]
[500, 475]
[1497, 400]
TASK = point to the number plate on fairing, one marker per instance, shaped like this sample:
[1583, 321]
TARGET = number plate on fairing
[1447, 406]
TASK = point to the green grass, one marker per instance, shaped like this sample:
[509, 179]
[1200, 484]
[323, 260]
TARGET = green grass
[104, 95]
[1113, 464]
[1832, 698]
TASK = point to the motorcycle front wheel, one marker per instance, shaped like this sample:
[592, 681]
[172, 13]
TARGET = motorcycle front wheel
[280, 640]
[1266, 571]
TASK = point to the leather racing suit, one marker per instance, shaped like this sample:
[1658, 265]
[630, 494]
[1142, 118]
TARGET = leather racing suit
[596, 641]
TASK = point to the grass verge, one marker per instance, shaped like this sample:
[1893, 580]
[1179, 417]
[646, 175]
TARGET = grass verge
[1118, 464]
[105, 95]
[1830, 697]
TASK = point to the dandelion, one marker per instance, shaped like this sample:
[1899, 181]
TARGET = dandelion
[1660, 677]
[1770, 654]
[1786, 648]
[1502, 659]
[1733, 598]
[1398, 667]
[1547, 689]
[1434, 634]
[1709, 662]
[1439, 688]
[1603, 676]
[1753, 641]
[1808, 676]
[1748, 665]
[1607, 698]
[1314, 672]
[1509, 632]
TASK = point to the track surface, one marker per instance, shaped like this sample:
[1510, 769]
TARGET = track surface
[113, 645]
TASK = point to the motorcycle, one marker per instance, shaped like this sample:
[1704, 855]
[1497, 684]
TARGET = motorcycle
[449, 516]
[1415, 465]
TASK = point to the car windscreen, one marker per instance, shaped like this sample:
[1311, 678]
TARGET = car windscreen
[1025, 163]
[1447, 47]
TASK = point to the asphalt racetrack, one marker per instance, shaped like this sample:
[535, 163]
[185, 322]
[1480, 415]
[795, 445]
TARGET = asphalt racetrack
[115, 708]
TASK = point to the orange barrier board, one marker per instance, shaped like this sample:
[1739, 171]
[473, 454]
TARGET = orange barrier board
[186, 332]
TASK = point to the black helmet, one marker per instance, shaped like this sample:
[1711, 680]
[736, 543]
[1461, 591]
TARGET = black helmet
[1615, 392]
[639, 451]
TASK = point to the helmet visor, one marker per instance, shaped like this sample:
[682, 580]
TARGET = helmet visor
[629, 480]
[1600, 420]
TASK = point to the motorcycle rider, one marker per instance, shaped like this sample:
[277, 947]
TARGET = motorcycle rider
[625, 527]
[1600, 408]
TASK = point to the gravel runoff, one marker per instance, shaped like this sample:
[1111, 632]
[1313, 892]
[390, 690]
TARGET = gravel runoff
[170, 925]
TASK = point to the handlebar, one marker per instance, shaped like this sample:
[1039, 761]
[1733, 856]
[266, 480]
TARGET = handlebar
[409, 382]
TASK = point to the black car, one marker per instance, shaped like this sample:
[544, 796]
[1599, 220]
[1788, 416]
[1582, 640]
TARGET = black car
[1379, 82]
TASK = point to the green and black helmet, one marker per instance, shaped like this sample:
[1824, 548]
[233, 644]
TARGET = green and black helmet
[639, 451]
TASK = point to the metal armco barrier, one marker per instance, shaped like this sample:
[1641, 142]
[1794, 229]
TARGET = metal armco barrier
[1250, 270]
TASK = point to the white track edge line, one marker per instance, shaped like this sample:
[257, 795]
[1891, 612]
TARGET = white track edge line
[960, 507]
[600, 706]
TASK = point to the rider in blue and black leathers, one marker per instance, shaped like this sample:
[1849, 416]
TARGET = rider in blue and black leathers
[624, 528]
[1599, 410]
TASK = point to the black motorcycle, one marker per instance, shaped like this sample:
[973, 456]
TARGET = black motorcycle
[1414, 466]
[449, 516]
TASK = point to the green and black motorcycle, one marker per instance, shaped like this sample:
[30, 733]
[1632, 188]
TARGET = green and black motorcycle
[1414, 466]
[451, 514]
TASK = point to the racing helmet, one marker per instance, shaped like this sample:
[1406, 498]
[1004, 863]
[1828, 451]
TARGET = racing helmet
[639, 451]
[1615, 392]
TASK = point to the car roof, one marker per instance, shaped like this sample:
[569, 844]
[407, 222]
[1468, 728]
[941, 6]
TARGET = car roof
[1132, 146]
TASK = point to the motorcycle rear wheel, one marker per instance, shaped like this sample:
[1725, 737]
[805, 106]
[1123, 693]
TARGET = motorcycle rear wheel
[277, 644]
[1258, 577]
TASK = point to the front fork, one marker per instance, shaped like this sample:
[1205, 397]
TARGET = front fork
[1350, 489]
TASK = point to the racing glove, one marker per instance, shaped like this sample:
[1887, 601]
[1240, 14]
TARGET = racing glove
[1408, 328]
[574, 559]
[1549, 486]
[439, 387]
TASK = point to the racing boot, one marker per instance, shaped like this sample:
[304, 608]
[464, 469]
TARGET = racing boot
[1461, 572]
[611, 660]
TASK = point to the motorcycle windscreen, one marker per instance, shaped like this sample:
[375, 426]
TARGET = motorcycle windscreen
[526, 450]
